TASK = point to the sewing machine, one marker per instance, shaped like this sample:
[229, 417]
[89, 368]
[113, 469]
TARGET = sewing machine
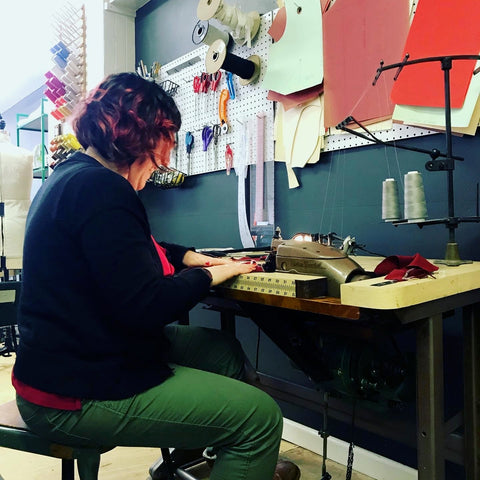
[306, 254]
[307, 266]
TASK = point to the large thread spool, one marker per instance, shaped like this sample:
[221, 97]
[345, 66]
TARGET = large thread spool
[414, 197]
[205, 33]
[243, 26]
[390, 202]
[218, 57]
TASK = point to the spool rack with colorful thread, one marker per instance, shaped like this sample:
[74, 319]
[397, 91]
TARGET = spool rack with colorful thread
[66, 80]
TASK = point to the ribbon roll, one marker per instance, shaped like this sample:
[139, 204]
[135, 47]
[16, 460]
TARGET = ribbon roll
[207, 34]
[218, 57]
[243, 26]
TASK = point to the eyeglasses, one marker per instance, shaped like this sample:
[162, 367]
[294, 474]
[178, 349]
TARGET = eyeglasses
[162, 168]
[167, 177]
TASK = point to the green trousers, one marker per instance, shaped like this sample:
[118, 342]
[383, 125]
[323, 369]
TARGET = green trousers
[203, 404]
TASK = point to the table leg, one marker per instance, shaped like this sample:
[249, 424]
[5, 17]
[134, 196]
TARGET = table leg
[227, 322]
[471, 344]
[430, 421]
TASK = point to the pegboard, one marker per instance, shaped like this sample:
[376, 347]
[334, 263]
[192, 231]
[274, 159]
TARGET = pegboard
[201, 109]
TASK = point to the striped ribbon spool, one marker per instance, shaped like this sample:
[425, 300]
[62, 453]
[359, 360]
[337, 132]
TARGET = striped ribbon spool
[242, 26]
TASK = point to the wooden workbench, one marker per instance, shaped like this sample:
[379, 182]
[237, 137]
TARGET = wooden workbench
[421, 302]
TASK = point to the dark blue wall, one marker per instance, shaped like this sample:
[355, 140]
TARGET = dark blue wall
[342, 193]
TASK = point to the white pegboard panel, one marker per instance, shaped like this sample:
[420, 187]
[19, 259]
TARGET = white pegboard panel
[199, 110]
[397, 132]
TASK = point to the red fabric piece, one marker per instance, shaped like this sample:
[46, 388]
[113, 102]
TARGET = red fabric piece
[168, 268]
[258, 267]
[403, 267]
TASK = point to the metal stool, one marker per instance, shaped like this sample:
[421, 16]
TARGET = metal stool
[15, 434]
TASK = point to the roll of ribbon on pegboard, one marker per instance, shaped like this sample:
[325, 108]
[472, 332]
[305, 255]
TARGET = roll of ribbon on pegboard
[414, 197]
[218, 57]
[390, 203]
[242, 26]
[205, 33]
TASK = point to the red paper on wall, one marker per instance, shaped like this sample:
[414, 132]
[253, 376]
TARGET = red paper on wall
[439, 28]
[357, 35]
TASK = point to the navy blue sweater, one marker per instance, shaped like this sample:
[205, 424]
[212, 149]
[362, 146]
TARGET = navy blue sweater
[94, 300]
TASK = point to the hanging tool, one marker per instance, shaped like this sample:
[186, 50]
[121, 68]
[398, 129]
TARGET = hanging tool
[222, 110]
[196, 89]
[155, 70]
[207, 135]
[214, 82]
[204, 87]
[216, 133]
[189, 138]
[230, 85]
[228, 158]
[204, 82]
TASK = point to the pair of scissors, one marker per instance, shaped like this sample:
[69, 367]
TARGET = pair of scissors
[215, 80]
[196, 84]
[196, 89]
[204, 82]
[207, 135]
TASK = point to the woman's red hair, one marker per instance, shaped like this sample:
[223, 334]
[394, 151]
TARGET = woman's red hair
[125, 117]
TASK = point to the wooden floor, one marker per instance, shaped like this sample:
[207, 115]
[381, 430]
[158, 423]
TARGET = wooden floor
[124, 463]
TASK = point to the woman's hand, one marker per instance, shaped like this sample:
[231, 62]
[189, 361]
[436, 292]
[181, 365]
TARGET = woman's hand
[220, 268]
[220, 273]
[195, 259]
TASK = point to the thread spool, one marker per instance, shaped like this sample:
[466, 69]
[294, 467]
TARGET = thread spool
[243, 27]
[390, 203]
[218, 57]
[414, 197]
[205, 33]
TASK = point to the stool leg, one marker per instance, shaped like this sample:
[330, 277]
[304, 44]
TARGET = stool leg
[88, 466]
[167, 459]
[183, 475]
[68, 469]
